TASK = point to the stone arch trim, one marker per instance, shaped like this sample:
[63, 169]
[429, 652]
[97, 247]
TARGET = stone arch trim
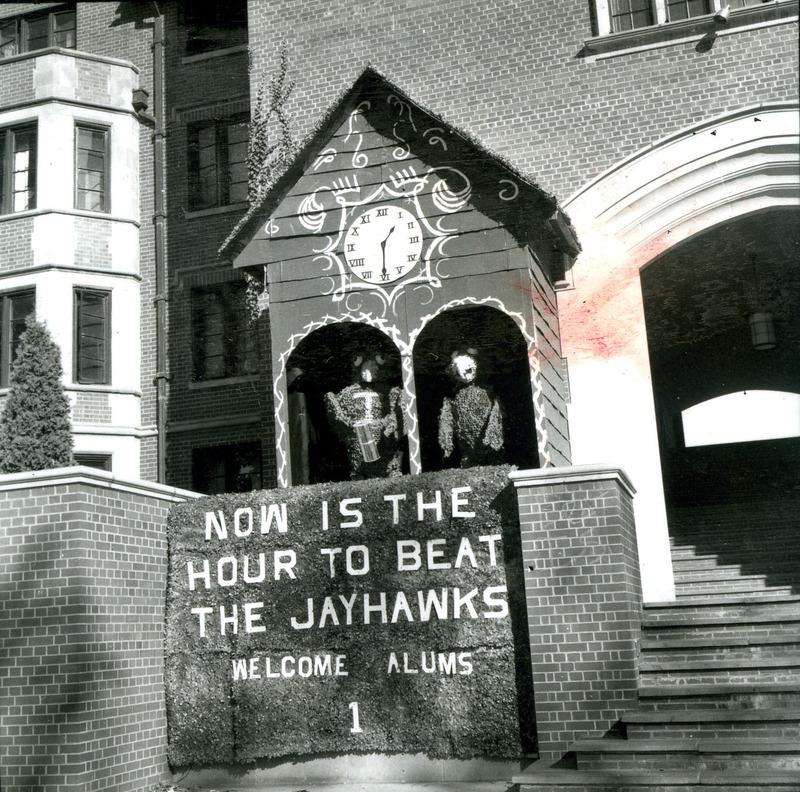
[723, 168]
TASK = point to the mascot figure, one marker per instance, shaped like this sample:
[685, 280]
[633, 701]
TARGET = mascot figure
[470, 422]
[368, 417]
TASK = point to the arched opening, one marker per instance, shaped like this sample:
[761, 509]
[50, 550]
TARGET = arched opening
[742, 417]
[699, 301]
[325, 363]
[637, 214]
[491, 342]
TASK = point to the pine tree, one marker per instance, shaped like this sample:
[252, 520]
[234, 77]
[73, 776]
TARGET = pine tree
[35, 431]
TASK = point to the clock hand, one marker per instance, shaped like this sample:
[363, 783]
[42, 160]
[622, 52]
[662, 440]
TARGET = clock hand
[383, 249]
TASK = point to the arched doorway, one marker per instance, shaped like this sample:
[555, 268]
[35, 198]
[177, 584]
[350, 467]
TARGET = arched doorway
[498, 351]
[720, 171]
[704, 303]
[323, 363]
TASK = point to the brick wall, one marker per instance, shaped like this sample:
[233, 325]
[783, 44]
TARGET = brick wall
[512, 74]
[201, 88]
[83, 566]
[584, 599]
[15, 242]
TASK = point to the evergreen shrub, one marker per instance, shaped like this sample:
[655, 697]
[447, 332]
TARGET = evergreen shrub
[35, 430]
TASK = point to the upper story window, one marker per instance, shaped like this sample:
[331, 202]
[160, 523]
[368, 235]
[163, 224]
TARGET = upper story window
[92, 326]
[18, 168]
[213, 25]
[630, 14]
[15, 308]
[223, 345]
[218, 162]
[91, 168]
[618, 16]
[55, 28]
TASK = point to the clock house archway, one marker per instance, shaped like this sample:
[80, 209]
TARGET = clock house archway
[323, 362]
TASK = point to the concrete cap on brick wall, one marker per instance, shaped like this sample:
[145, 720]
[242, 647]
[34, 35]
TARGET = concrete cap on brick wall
[575, 474]
[92, 476]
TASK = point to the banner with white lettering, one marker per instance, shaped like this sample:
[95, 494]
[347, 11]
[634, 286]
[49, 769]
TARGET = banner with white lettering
[373, 616]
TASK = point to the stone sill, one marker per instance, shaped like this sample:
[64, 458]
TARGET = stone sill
[777, 12]
[222, 382]
[202, 56]
[72, 212]
[57, 477]
[215, 210]
[78, 387]
[70, 53]
[575, 474]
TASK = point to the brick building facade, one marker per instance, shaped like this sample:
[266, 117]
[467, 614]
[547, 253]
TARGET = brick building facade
[653, 131]
[653, 268]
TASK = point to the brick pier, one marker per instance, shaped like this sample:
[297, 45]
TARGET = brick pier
[584, 599]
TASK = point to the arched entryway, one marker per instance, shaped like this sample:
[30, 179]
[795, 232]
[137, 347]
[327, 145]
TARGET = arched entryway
[723, 328]
[326, 362]
[488, 340]
[711, 176]
[723, 320]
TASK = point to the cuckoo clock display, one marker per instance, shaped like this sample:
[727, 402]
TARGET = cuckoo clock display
[394, 222]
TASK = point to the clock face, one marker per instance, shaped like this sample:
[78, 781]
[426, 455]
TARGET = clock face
[382, 244]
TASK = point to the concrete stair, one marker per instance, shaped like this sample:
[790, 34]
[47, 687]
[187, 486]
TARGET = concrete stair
[719, 694]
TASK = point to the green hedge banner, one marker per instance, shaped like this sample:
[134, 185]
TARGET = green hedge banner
[375, 616]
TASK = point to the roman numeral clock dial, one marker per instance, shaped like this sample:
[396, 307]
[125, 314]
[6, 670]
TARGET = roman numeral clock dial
[382, 244]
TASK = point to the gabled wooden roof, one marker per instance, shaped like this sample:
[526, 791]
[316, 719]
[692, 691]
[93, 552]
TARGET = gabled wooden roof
[532, 214]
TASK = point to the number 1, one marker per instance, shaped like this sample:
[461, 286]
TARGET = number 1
[356, 725]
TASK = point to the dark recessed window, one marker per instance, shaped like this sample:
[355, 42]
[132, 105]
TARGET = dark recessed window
[33, 32]
[91, 168]
[99, 461]
[213, 25]
[631, 14]
[15, 308]
[217, 159]
[18, 168]
[686, 9]
[228, 468]
[92, 337]
[223, 342]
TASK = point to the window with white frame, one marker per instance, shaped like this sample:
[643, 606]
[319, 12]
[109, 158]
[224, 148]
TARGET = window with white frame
[91, 168]
[92, 344]
[619, 16]
[17, 168]
[38, 30]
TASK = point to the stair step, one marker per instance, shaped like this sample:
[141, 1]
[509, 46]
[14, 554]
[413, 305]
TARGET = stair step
[716, 572]
[781, 724]
[720, 696]
[790, 601]
[657, 643]
[687, 563]
[674, 754]
[731, 609]
[744, 623]
[557, 780]
[715, 664]
[731, 590]
[723, 676]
